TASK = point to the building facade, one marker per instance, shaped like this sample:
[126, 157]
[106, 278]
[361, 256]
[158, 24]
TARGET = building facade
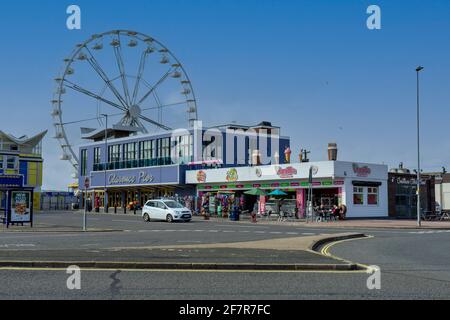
[403, 194]
[22, 157]
[142, 167]
[361, 188]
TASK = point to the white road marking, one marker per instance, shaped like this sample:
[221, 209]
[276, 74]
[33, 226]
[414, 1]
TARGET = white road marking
[429, 232]
[17, 246]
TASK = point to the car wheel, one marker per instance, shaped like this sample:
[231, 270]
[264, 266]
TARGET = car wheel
[146, 217]
[169, 218]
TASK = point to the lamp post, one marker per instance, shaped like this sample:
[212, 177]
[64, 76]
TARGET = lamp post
[419, 222]
[106, 165]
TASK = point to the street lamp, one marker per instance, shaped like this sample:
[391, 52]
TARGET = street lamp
[105, 196]
[419, 222]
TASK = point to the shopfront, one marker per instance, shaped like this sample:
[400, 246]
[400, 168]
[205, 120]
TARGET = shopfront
[361, 188]
[403, 195]
[136, 186]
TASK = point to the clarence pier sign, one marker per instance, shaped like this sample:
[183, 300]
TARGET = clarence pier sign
[136, 177]
[140, 178]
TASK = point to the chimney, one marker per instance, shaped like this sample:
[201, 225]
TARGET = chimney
[332, 152]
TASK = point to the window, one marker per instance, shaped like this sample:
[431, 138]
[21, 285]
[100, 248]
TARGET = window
[130, 151]
[1, 162]
[184, 149]
[147, 150]
[97, 155]
[372, 196]
[358, 196]
[84, 163]
[164, 148]
[11, 163]
[173, 205]
[161, 205]
[37, 150]
[114, 153]
[210, 148]
[151, 204]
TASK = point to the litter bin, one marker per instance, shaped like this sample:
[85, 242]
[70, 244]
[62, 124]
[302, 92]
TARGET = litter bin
[234, 216]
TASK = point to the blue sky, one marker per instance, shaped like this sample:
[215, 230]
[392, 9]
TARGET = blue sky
[311, 67]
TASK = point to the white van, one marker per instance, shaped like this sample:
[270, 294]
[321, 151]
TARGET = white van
[166, 210]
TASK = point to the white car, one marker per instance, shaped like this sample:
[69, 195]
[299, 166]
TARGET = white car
[166, 210]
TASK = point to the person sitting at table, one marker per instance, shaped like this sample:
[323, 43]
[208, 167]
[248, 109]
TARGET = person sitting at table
[336, 212]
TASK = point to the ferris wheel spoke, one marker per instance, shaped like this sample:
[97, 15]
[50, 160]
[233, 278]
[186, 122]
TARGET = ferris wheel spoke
[77, 88]
[139, 76]
[140, 125]
[98, 69]
[121, 65]
[155, 123]
[165, 106]
[153, 88]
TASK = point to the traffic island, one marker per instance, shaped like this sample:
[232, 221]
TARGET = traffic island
[291, 254]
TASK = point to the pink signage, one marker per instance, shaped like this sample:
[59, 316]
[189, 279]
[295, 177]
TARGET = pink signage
[363, 172]
[286, 173]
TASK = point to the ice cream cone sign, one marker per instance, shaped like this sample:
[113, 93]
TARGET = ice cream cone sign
[287, 154]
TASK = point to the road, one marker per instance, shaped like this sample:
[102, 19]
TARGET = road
[413, 265]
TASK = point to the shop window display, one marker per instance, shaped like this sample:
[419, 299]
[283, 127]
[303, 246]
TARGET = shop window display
[372, 196]
[358, 196]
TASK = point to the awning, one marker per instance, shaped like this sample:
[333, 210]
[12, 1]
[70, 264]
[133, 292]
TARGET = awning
[366, 184]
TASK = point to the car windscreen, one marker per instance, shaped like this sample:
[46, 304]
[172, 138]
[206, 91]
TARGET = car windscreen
[173, 205]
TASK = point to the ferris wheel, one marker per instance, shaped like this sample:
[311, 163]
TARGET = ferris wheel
[124, 75]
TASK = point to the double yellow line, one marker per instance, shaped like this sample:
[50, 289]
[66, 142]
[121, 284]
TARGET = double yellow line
[326, 252]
